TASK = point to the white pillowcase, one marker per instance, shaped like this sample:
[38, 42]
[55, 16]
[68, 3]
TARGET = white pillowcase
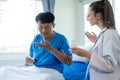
[79, 58]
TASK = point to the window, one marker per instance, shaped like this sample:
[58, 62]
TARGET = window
[17, 24]
[117, 13]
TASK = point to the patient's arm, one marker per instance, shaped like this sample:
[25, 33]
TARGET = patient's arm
[61, 56]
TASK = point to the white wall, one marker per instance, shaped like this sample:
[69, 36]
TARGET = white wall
[68, 20]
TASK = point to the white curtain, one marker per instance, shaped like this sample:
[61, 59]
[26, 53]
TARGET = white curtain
[48, 5]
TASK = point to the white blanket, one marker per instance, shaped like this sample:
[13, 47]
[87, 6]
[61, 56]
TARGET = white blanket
[29, 73]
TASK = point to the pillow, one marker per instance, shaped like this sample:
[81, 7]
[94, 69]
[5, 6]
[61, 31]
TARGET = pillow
[79, 58]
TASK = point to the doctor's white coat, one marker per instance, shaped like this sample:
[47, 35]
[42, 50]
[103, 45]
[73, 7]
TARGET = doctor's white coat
[105, 56]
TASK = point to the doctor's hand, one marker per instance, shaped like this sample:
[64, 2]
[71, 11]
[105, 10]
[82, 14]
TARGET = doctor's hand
[80, 52]
[29, 61]
[91, 36]
[46, 45]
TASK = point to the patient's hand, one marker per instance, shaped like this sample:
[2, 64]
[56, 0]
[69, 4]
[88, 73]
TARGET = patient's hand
[45, 45]
[29, 61]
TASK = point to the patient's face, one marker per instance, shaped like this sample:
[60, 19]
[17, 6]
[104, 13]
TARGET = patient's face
[46, 30]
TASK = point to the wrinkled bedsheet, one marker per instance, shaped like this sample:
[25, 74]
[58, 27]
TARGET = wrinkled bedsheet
[29, 73]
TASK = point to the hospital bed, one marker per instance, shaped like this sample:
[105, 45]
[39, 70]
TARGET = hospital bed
[76, 71]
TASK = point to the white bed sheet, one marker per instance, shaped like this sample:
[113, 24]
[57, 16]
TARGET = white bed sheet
[29, 73]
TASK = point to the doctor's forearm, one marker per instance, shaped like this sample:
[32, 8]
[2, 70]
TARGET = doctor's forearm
[88, 55]
[84, 53]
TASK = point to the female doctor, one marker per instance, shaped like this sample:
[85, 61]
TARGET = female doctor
[103, 58]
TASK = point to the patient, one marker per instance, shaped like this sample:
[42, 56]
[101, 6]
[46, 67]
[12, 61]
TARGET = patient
[49, 50]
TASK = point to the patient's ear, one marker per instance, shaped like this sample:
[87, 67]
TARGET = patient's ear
[53, 25]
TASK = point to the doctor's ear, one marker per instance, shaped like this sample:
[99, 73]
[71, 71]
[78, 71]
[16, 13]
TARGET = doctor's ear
[98, 15]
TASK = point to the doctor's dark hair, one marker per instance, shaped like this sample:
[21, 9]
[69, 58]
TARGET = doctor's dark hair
[105, 9]
[45, 17]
